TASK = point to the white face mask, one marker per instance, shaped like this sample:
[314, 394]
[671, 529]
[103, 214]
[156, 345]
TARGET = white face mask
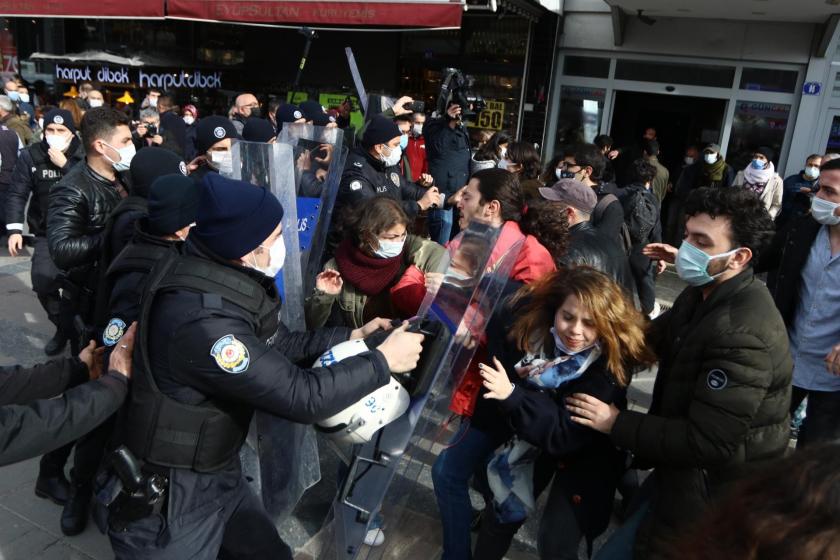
[812, 172]
[558, 173]
[417, 129]
[823, 211]
[503, 163]
[94, 103]
[153, 101]
[189, 119]
[57, 141]
[389, 249]
[393, 157]
[688, 160]
[126, 155]
[710, 158]
[222, 162]
[24, 97]
[41, 123]
[502, 152]
[276, 258]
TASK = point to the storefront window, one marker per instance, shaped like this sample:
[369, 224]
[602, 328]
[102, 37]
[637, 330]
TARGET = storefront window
[581, 112]
[756, 124]
[765, 79]
[675, 73]
[586, 66]
[833, 145]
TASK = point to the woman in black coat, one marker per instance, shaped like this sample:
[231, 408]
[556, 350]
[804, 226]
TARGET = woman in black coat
[573, 331]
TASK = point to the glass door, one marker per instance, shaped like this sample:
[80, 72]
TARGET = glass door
[831, 134]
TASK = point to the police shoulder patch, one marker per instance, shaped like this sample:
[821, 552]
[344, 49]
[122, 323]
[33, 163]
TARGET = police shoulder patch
[395, 178]
[716, 379]
[355, 185]
[357, 164]
[230, 354]
[113, 332]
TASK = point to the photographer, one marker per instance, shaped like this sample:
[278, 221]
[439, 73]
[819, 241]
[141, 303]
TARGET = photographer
[448, 153]
[148, 133]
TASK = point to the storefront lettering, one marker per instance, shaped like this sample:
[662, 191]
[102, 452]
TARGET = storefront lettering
[183, 79]
[108, 76]
[72, 74]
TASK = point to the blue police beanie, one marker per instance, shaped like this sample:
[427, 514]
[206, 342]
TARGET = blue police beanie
[60, 116]
[234, 217]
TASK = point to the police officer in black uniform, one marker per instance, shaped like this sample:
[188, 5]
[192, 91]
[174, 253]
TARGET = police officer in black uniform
[210, 351]
[38, 168]
[214, 136]
[372, 169]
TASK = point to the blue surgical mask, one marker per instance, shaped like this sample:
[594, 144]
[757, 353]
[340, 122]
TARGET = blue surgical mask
[389, 249]
[693, 264]
[558, 343]
[404, 141]
[13, 95]
[758, 164]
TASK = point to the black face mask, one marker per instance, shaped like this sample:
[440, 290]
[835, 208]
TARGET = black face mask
[256, 113]
[566, 174]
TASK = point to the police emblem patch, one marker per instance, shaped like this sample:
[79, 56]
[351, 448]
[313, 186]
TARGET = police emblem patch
[113, 332]
[219, 132]
[716, 379]
[357, 164]
[230, 354]
[298, 115]
[58, 119]
[182, 167]
[395, 178]
[355, 185]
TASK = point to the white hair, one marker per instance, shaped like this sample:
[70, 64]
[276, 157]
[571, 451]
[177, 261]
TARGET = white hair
[6, 104]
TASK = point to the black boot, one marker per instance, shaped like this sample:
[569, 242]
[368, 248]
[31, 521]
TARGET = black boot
[53, 488]
[75, 515]
[56, 344]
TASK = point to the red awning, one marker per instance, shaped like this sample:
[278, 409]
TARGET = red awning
[407, 13]
[83, 8]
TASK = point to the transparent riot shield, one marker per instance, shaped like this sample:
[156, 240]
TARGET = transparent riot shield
[281, 457]
[391, 474]
[319, 155]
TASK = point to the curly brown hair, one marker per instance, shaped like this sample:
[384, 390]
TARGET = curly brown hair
[548, 222]
[788, 511]
[371, 218]
[621, 328]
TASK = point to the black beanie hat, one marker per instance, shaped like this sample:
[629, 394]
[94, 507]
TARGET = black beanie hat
[234, 217]
[60, 116]
[258, 130]
[173, 201]
[212, 129]
[766, 152]
[287, 112]
[380, 130]
[311, 109]
[149, 164]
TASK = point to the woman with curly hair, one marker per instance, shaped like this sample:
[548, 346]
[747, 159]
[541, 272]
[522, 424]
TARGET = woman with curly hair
[787, 511]
[573, 331]
[523, 160]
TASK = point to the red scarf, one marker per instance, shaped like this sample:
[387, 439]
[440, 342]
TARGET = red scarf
[369, 275]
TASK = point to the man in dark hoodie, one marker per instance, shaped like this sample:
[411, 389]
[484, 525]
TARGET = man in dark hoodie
[38, 168]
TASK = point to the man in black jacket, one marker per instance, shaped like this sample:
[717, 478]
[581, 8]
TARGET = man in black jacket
[587, 245]
[448, 154]
[79, 205]
[212, 351]
[38, 168]
[29, 428]
[373, 169]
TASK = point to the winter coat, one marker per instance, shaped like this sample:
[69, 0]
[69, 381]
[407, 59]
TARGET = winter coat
[589, 247]
[448, 153]
[771, 196]
[365, 177]
[347, 308]
[720, 403]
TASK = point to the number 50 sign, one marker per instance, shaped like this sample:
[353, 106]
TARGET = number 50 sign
[490, 118]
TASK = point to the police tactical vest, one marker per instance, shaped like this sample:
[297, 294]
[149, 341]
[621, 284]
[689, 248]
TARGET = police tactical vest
[168, 433]
[44, 174]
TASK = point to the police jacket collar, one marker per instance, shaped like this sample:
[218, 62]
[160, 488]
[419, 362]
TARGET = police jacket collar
[376, 163]
[142, 235]
[196, 248]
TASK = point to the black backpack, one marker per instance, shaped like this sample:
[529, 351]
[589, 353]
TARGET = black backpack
[624, 233]
[641, 212]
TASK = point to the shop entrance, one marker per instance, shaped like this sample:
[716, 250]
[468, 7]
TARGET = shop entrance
[679, 122]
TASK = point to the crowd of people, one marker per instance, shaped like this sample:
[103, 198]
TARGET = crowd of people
[158, 270]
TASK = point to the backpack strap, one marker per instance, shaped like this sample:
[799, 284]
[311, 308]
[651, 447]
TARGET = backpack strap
[602, 206]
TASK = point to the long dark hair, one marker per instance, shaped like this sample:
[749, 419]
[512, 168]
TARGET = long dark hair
[525, 154]
[549, 176]
[503, 186]
[490, 150]
[789, 510]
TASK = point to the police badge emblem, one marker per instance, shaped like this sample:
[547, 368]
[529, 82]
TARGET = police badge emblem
[395, 178]
[230, 354]
[113, 332]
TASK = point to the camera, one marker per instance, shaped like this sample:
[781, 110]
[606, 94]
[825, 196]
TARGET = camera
[456, 89]
[415, 107]
[151, 130]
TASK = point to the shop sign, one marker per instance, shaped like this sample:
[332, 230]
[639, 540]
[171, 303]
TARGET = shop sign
[490, 118]
[121, 76]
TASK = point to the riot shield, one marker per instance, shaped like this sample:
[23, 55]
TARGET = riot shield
[281, 457]
[319, 154]
[393, 469]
